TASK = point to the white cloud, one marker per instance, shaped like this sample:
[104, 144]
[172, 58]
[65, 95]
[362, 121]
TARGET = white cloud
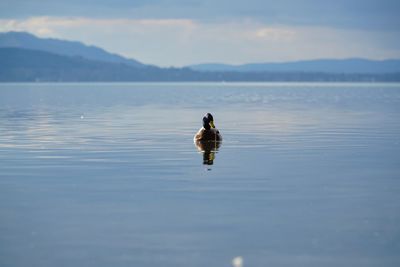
[183, 41]
[275, 34]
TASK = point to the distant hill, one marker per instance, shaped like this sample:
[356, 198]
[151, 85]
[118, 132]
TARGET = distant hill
[323, 65]
[26, 65]
[18, 64]
[62, 47]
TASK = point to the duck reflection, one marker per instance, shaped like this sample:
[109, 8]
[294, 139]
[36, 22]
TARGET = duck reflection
[208, 149]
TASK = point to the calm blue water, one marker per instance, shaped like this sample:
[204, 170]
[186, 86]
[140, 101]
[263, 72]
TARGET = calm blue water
[108, 175]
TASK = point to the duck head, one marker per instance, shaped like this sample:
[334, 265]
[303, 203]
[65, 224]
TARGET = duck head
[208, 121]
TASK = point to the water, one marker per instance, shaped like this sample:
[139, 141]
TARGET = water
[108, 175]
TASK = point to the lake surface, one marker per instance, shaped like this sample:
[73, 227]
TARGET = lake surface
[108, 175]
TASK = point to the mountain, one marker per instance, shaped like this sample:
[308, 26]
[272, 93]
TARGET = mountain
[322, 65]
[25, 65]
[62, 47]
[19, 64]
[27, 58]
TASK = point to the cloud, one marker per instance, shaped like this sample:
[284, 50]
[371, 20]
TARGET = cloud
[275, 34]
[353, 14]
[181, 42]
[34, 24]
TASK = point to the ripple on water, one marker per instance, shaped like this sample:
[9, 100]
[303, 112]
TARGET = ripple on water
[111, 176]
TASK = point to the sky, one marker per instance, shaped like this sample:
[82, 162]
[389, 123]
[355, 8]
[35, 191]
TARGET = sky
[180, 33]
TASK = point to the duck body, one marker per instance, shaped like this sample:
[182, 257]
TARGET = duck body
[208, 135]
[208, 132]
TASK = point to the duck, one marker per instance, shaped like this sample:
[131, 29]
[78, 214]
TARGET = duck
[208, 132]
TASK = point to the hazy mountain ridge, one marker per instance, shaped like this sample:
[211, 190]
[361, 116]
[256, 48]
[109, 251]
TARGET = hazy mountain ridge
[62, 47]
[354, 65]
[79, 62]
[24, 65]
[19, 64]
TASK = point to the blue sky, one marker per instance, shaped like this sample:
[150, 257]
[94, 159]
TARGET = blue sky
[177, 33]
